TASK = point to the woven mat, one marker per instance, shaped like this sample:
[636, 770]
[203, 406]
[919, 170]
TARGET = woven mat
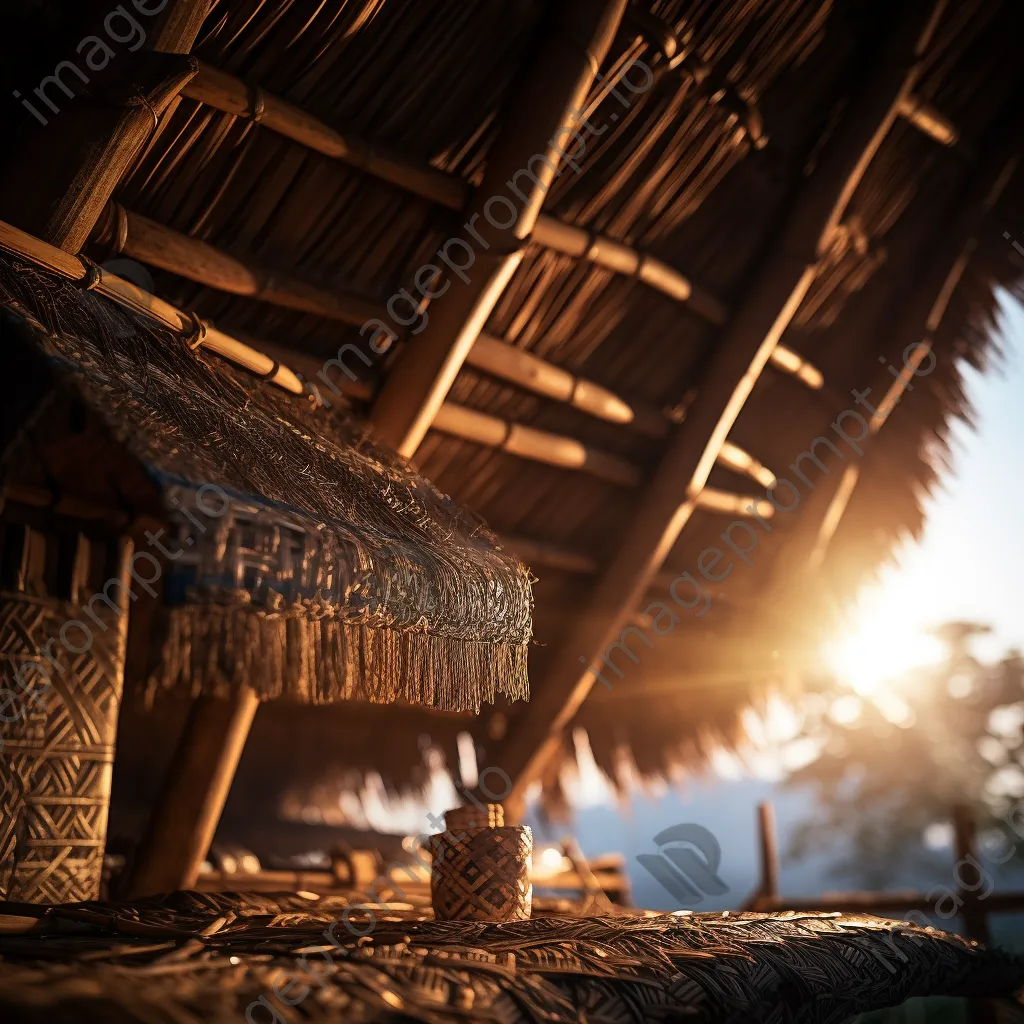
[189, 958]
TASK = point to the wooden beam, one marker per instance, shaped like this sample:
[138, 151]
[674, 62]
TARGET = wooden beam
[729, 504]
[527, 371]
[925, 118]
[134, 235]
[735, 364]
[544, 104]
[739, 461]
[224, 92]
[788, 361]
[622, 259]
[25, 246]
[535, 552]
[180, 24]
[67, 170]
[196, 786]
[530, 443]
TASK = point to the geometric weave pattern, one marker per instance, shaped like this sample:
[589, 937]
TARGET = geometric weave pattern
[58, 748]
[220, 958]
[482, 874]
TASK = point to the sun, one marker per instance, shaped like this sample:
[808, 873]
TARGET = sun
[878, 644]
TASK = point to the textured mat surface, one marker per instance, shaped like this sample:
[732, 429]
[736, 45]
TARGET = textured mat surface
[188, 958]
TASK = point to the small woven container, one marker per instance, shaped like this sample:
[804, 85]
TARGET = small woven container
[481, 872]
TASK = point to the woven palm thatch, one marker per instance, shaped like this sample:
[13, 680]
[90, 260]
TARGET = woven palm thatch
[316, 566]
[213, 958]
[699, 171]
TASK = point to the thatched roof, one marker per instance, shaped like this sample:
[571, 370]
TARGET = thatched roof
[312, 223]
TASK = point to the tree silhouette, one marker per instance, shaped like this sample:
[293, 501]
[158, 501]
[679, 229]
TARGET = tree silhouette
[894, 763]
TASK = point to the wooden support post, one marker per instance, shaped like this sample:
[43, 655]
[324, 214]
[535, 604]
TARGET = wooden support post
[965, 850]
[769, 847]
[499, 219]
[736, 362]
[980, 1011]
[185, 818]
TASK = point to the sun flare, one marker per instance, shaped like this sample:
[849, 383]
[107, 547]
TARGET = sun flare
[877, 646]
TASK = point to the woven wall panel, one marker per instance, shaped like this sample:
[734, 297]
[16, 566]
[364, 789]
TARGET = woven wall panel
[58, 755]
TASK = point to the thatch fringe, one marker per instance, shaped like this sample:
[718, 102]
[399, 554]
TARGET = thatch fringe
[294, 654]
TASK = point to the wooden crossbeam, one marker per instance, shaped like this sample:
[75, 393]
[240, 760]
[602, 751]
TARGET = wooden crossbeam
[536, 445]
[530, 372]
[736, 362]
[925, 118]
[222, 91]
[19, 243]
[623, 259]
[788, 361]
[157, 245]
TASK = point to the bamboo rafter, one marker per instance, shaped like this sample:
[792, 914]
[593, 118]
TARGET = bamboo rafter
[533, 444]
[217, 89]
[157, 245]
[25, 246]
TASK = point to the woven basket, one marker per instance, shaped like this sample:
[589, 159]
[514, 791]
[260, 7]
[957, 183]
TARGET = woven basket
[482, 873]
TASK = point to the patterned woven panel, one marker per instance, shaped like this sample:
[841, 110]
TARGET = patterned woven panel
[482, 874]
[225, 957]
[310, 562]
[58, 751]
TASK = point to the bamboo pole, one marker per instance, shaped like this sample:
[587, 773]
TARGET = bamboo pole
[543, 105]
[65, 171]
[196, 787]
[24, 246]
[925, 118]
[536, 445]
[224, 92]
[730, 504]
[180, 23]
[134, 235]
[622, 259]
[737, 360]
[788, 361]
[735, 458]
[525, 370]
